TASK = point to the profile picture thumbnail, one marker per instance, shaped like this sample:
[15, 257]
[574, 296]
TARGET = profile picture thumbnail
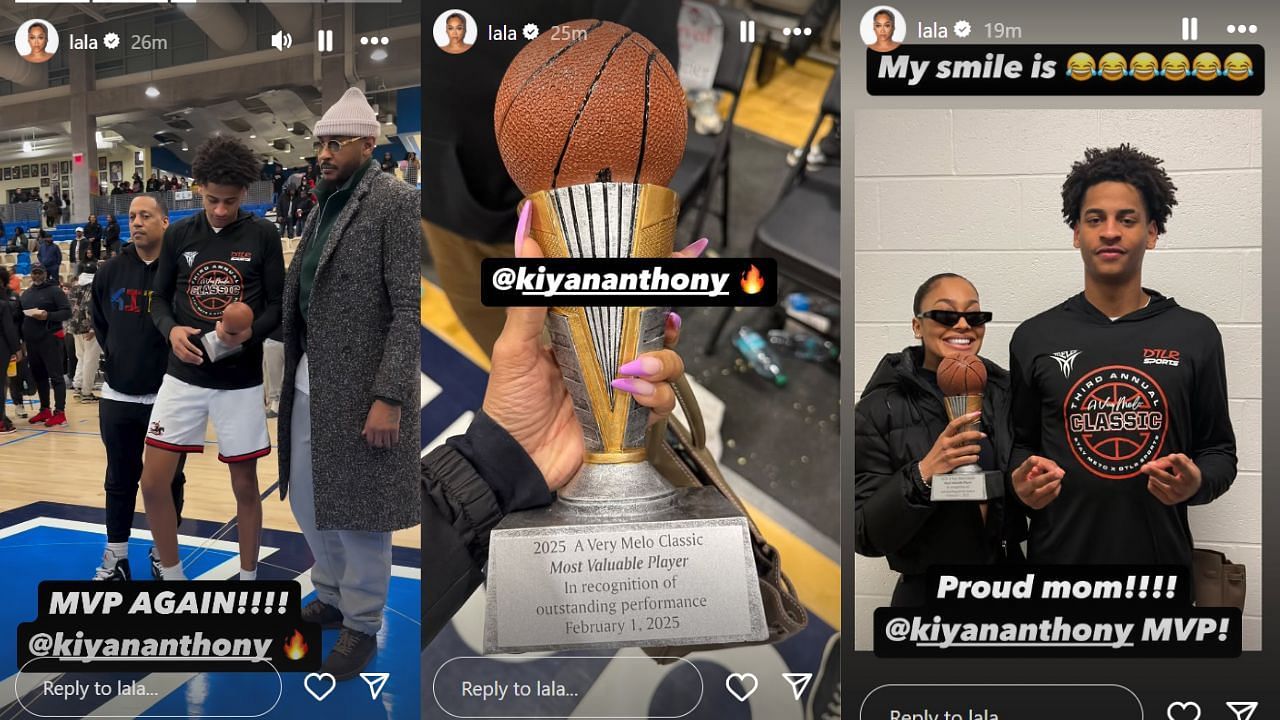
[455, 31]
[883, 28]
[36, 40]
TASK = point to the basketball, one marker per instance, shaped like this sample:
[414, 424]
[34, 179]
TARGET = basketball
[590, 101]
[237, 318]
[961, 375]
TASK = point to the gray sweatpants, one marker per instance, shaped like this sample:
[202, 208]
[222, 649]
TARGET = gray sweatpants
[353, 568]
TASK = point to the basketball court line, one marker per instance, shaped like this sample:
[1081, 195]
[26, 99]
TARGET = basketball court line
[165, 684]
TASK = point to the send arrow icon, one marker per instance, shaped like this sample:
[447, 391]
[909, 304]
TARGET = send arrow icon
[800, 681]
[375, 681]
[1243, 710]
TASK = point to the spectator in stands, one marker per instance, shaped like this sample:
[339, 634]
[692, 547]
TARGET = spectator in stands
[77, 247]
[1, 229]
[49, 256]
[52, 211]
[113, 237]
[18, 243]
[153, 182]
[93, 234]
[388, 165]
[42, 331]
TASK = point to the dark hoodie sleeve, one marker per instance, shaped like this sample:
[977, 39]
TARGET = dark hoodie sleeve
[1213, 442]
[162, 288]
[272, 286]
[1024, 406]
[98, 308]
[889, 499]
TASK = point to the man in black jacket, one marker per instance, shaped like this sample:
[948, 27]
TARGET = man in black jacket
[135, 355]
[45, 308]
[217, 257]
[1118, 387]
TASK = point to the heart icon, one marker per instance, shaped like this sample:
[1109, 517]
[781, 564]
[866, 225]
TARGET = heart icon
[325, 681]
[742, 679]
[1183, 711]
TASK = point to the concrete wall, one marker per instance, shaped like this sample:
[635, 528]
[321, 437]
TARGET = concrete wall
[977, 192]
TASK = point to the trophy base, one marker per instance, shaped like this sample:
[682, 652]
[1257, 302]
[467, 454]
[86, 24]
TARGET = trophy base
[964, 484]
[215, 349]
[617, 490]
[558, 579]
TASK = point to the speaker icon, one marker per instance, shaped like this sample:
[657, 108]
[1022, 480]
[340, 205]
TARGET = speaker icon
[281, 40]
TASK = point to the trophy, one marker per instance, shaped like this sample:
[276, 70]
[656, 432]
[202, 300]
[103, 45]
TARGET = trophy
[962, 378]
[621, 558]
[236, 318]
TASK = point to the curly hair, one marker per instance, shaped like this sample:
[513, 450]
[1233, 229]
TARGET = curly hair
[225, 161]
[1120, 164]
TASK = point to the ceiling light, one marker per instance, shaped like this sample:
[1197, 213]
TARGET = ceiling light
[378, 55]
[26, 146]
[152, 91]
[184, 148]
[253, 137]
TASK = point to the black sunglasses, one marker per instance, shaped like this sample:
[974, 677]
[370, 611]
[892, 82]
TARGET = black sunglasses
[949, 318]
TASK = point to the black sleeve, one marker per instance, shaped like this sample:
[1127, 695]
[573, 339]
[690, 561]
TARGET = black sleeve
[272, 286]
[62, 307]
[1213, 442]
[8, 334]
[466, 491]
[1024, 407]
[890, 501]
[98, 308]
[164, 285]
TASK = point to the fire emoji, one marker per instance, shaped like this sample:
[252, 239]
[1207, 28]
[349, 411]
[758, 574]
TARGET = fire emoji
[295, 648]
[752, 281]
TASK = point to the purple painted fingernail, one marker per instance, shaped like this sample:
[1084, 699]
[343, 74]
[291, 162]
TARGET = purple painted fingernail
[641, 366]
[522, 227]
[675, 319]
[635, 386]
[695, 248]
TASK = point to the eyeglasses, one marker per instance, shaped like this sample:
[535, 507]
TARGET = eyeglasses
[333, 146]
[949, 318]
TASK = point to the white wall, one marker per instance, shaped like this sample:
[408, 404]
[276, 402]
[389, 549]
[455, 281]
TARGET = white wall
[977, 192]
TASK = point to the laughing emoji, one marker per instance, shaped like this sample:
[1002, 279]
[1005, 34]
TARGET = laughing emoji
[1080, 66]
[1206, 66]
[1143, 66]
[1112, 66]
[1175, 66]
[1238, 66]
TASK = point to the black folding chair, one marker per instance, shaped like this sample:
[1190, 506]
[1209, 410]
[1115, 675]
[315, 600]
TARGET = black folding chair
[802, 230]
[706, 157]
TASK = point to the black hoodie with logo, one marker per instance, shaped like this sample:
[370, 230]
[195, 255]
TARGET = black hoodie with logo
[134, 351]
[201, 272]
[1101, 398]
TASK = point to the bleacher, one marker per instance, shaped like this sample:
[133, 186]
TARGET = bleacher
[64, 233]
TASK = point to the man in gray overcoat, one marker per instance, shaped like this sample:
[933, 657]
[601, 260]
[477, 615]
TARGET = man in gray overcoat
[348, 424]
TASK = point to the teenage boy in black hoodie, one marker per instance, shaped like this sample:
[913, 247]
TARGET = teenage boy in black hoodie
[1122, 392]
[214, 258]
[135, 354]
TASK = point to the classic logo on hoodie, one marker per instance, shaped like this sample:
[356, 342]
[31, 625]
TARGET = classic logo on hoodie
[213, 286]
[1116, 420]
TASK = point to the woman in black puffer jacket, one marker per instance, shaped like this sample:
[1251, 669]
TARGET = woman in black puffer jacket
[903, 439]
